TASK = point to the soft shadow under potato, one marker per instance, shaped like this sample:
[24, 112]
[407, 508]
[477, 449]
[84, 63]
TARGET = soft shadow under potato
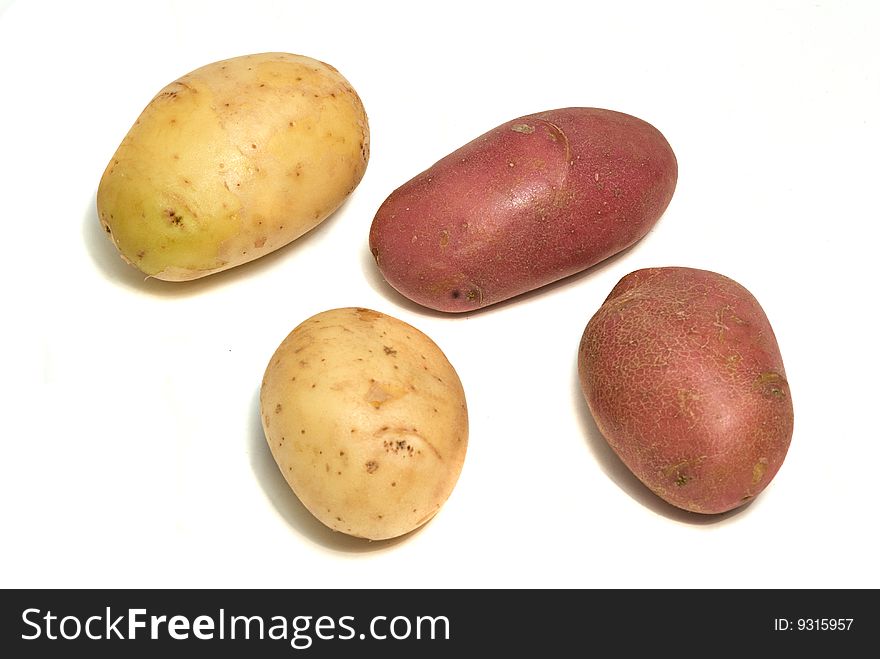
[618, 472]
[289, 506]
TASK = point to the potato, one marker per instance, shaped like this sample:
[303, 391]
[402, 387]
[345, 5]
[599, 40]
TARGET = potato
[231, 162]
[367, 421]
[681, 370]
[530, 202]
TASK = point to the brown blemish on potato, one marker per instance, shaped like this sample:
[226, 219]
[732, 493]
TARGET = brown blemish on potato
[367, 314]
[758, 470]
[679, 473]
[409, 446]
[399, 446]
[668, 471]
[771, 384]
[371, 466]
[377, 395]
[278, 408]
[389, 350]
[173, 217]
[444, 238]
[523, 128]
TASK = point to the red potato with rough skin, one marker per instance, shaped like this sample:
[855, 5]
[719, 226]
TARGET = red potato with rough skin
[530, 202]
[683, 375]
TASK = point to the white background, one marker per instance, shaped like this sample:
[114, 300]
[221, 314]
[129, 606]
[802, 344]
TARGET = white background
[132, 452]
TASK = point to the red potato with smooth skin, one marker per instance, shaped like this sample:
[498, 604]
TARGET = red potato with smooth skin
[532, 201]
[683, 375]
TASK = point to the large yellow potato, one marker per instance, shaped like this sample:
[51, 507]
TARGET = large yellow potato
[367, 421]
[231, 162]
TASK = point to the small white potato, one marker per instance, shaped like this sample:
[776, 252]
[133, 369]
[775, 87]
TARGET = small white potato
[367, 421]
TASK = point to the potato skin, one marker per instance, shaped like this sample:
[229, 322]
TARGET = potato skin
[231, 162]
[682, 372]
[367, 421]
[532, 201]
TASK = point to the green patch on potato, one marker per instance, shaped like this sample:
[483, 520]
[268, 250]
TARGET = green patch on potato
[367, 421]
[232, 161]
[683, 375]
